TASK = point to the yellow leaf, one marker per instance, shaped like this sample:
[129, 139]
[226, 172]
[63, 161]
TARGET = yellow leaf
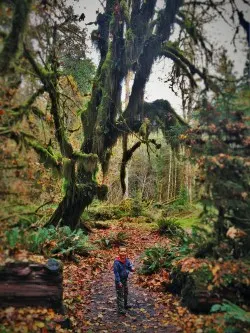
[215, 269]
[38, 324]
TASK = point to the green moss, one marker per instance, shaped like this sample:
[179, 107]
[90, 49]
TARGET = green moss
[65, 185]
[129, 35]
[189, 221]
[106, 66]
[125, 10]
[44, 154]
[203, 275]
[88, 161]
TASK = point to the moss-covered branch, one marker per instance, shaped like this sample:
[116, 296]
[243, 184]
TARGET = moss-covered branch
[151, 50]
[43, 75]
[181, 65]
[19, 111]
[49, 81]
[187, 66]
[46, 155]
[11, 42]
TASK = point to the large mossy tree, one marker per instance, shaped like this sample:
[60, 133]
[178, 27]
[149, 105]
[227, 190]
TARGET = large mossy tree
[130, 37]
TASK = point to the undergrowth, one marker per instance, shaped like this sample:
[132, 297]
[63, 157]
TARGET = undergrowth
[49, 241]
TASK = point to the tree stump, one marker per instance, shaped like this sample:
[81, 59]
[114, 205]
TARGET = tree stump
[32, 284]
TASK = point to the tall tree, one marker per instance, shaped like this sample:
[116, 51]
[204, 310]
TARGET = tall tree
[131, 36]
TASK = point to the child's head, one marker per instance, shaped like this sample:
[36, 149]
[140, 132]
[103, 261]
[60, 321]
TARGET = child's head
[122, 252]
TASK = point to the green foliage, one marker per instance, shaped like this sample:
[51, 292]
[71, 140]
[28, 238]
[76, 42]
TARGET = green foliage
[186, 243]
[154, 259]
[170, 227]
[104, 213]
[82, 71]
[221, 146]
[25, 221]
[234, 315]
[50, 241]
[113, 240]
[136, 206]
[157, 257]
[72, 242]
[13, 237]
[181, 204]
[4, 329]
[183, 199]
[36, 240]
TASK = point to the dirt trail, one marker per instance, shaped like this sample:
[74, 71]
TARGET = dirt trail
[142, 317]
[90, 295]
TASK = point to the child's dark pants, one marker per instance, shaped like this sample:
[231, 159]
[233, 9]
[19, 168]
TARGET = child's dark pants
[122, 295]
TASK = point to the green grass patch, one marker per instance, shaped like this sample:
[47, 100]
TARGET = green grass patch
[189, 221]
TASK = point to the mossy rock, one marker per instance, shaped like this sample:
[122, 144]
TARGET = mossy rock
[203, 283]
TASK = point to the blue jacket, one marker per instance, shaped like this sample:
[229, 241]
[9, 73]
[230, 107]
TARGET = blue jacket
[121, 270]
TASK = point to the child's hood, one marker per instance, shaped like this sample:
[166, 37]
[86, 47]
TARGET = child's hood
[123, 261]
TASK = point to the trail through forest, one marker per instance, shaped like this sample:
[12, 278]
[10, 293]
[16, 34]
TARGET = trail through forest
[144, 316]
[153, 309]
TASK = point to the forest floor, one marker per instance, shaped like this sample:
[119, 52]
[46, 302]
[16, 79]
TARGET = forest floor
[153, 309]
[90, 299]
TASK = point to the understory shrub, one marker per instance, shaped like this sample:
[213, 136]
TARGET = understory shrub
[156, 258]
[184, 244]
[170, 227]
[50, 241]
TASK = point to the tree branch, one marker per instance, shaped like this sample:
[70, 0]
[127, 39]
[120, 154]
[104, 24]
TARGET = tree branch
[21, 110]
[49, 81]
[177, 57]
[28, 139]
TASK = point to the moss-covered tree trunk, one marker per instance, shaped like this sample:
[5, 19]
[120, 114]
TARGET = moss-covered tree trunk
[70, 209]
[129, 39]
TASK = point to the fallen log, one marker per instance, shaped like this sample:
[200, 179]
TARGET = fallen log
[32, 284]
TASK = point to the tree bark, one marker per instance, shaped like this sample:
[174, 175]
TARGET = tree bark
[70, 209]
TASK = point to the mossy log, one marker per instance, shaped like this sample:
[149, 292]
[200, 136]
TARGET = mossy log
[203, 283]
[32, 284]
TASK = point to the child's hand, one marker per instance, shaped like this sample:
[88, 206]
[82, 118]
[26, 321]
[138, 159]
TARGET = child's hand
[120, 285]
[132, 269]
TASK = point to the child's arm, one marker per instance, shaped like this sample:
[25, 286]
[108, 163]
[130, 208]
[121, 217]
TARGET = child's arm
[130, 266]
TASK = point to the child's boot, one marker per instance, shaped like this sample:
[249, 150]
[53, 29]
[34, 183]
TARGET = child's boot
[126, 306]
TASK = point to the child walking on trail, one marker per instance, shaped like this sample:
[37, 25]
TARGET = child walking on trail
[122, 267]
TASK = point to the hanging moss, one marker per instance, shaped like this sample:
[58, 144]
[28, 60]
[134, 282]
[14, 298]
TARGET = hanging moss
[106, 66]
[88, 161]
[125, 10]
[129, 35]
[172, 45]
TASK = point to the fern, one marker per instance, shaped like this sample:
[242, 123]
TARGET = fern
[35, 240]
[13, 237]
[236, 319]
[170, 227]
[233, 312]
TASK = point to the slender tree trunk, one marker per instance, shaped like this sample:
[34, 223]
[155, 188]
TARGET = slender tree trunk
[175, 176]
[169, 175]
[127, 93]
